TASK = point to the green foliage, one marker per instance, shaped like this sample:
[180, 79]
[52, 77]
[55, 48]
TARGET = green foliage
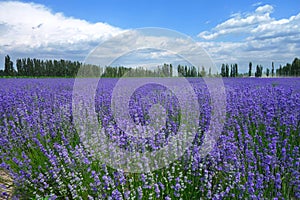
[268, 72]
[190, 71]
[259, 70]
[289, 69]
[8, 67]
[27, 67]
[223, 70]
[233, 72]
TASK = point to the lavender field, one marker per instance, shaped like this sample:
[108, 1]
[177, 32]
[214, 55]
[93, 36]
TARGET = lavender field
[257, 155]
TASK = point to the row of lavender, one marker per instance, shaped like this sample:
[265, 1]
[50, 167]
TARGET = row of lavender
[256, 156]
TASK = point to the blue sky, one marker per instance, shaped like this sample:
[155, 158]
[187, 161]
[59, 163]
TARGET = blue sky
[230, 31]
[189, 17]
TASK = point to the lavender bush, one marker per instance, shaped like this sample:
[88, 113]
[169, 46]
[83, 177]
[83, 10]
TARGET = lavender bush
[256, 156]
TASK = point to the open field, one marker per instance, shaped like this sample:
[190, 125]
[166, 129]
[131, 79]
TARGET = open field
[257, 155]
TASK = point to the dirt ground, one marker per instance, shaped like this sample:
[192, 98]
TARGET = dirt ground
[6, 185]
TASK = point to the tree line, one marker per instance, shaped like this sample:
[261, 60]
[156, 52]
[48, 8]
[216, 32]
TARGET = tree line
[286, 70]
[229, 72]
[166, 70]
[27, 67]
[38, 68]
[289, 69]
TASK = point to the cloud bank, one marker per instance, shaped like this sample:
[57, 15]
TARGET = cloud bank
[33, 29]
[263, 38]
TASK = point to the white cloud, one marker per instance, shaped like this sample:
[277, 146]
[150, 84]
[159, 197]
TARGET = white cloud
[257, 4]
[240, 23]
[150, 46]
[264, 9]
[263, 38]
[33, 30]
[30, 28]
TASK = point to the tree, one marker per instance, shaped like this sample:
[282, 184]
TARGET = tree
[19, 67]
[182, 70]
[250, 68]
[290, 69]
[193, 71]
[236, 73]
[280, 70]
[259, 70]
[165, 70]
[8, 66]
[295, 68]
[287, 69]
[189, 72]
[29, 65]
[267, 72]
[209, 72]
[226, 70]
[203, 72]
[272, 72]
[223, 70]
